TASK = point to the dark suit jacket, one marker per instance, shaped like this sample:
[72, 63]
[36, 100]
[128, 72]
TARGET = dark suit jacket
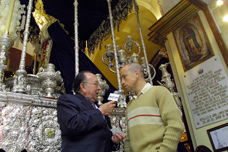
[83, 128]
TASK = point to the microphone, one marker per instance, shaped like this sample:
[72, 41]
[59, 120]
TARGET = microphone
[114, 96]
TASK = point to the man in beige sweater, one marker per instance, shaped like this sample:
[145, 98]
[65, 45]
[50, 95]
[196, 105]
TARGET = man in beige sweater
[153, 119]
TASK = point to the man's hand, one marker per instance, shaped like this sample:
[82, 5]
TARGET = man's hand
[107, 107]
[118, 137]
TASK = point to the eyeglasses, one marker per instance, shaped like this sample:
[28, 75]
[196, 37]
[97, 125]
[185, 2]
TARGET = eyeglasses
[94, 83]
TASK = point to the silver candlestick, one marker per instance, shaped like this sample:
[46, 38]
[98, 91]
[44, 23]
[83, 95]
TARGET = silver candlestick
[5, 44]
[166, 77]
[49, 79]
[104, 87]
[21, 74]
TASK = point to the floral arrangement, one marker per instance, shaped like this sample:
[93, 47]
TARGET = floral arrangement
[16, 24]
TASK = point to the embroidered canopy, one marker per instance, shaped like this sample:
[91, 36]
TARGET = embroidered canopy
[93, 18]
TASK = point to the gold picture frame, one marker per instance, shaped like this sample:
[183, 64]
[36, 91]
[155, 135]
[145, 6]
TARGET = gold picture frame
[192, 43]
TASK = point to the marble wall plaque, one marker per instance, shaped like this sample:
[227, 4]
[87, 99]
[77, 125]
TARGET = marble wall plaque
[206, 86]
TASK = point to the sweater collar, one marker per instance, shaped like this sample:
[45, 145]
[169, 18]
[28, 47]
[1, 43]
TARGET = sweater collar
[146, 87]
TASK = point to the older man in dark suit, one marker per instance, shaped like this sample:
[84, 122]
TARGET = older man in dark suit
[84, 126]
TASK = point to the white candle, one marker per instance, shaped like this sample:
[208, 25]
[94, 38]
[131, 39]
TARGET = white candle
[9, 17]
[23, 22]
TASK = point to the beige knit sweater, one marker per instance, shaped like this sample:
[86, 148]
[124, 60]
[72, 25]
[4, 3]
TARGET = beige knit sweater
[154, 122]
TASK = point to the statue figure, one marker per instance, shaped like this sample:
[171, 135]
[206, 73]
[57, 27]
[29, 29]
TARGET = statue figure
[194, 50]
[43, 20]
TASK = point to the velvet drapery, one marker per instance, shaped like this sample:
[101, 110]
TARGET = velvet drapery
[63, 57]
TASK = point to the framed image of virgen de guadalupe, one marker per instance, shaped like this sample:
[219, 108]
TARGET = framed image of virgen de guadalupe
[192, 43]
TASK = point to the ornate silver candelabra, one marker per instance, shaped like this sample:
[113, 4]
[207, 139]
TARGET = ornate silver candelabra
[115, 57]
[124, 56]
